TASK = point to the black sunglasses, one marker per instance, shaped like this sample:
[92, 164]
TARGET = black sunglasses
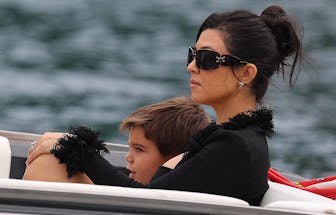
[207, 59]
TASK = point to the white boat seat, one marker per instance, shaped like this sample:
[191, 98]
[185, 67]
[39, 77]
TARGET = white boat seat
[5, 157]
[157, 194]
[283, 197]
[310, 207]
[281, 192]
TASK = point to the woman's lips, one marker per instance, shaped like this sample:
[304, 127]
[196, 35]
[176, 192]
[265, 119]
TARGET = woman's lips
[194, 83]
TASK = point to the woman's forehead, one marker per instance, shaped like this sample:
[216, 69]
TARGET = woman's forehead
[211, 39]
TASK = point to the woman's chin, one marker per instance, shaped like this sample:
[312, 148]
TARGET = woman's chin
[196, 99]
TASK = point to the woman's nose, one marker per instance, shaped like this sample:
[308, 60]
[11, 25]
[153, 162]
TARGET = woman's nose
[192, 68]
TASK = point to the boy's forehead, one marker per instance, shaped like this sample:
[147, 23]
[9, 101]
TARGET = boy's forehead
[137, 137]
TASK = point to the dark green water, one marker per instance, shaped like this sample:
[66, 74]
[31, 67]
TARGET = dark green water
[92, 62]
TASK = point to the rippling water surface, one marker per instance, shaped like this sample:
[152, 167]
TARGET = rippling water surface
[94, 62]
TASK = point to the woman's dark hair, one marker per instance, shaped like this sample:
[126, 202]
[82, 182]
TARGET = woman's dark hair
[266, 41]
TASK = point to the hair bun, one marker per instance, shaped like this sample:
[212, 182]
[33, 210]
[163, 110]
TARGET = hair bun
[273, 12]
[284, 29]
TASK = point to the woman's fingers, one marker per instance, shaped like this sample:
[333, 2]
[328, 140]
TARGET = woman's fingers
[49, 135]
[43, 145]
[42, 148]
[31, 148]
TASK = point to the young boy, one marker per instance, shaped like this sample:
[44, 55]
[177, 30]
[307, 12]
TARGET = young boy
[157, 133]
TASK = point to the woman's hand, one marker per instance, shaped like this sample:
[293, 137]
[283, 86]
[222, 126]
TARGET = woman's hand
[171, 163]
[43, 145]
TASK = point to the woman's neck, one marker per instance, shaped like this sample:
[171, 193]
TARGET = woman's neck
[228, 109]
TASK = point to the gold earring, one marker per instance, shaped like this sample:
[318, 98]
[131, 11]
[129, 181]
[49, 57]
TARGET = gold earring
[241, 84]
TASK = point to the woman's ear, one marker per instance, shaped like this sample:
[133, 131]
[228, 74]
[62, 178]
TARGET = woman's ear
[247, 73]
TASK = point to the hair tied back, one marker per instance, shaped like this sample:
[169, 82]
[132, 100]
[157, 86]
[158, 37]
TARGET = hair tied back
[284, 30]
[273, 13]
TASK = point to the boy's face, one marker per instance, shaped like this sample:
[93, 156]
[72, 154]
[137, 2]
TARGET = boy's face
[143, 157]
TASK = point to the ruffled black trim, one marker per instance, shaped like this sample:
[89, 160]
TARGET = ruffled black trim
[262, 118]
[80, 142]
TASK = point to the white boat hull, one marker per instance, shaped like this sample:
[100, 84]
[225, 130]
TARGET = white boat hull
[32, 197]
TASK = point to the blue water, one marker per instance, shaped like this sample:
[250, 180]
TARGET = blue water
[94, 62]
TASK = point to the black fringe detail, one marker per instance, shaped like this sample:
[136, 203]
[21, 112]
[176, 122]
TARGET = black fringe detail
[262, 118]
[80, 142]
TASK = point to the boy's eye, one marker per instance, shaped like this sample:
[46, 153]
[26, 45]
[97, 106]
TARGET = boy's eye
[138, 149]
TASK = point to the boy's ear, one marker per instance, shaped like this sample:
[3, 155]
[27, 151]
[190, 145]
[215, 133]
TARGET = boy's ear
[247, 73]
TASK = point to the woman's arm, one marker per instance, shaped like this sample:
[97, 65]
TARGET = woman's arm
[44, 166]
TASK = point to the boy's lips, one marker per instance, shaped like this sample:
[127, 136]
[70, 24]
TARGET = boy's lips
[132, 174]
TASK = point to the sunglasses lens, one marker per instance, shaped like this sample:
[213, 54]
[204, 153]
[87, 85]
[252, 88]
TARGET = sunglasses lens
[191, 55]
[206, 59]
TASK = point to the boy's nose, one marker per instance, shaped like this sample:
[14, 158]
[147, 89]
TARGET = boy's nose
[128, 157]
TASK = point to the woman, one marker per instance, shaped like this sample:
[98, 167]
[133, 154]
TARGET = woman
[230, 67]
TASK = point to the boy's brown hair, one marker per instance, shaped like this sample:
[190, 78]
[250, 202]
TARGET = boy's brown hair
[169, 124]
